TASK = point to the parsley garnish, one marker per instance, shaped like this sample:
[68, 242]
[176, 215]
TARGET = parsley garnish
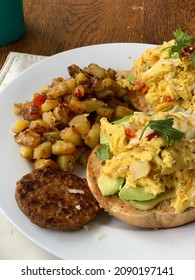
[183, 42]
[165, 129]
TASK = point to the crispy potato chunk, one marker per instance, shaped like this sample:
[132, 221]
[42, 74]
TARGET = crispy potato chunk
[70, 135]
[20, 125]
[43, 150]
[61, 147]
[28, 138]
[66, 162]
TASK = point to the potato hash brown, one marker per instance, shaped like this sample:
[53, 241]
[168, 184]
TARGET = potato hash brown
[55, 199]
[60, 125]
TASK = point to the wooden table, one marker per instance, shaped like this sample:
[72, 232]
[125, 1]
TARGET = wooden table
[53, 26]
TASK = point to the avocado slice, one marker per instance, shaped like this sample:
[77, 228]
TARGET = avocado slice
[103, 139]
[150, 204]
[129, 193]
[122, 120]
[109, 185]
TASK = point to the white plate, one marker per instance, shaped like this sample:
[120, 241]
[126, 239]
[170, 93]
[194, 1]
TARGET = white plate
[119, 240]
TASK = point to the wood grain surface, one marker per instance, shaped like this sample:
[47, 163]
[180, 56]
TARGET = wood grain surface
[53, 26]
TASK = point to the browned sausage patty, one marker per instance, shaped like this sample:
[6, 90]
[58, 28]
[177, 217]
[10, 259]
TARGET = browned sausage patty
[55, 199]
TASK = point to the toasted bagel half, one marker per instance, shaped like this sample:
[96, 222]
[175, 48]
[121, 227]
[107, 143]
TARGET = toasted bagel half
[162, 216]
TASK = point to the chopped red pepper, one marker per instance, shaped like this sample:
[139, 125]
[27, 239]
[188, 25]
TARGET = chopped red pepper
[151, 135]
[138, 85]
[35, 107]
[169, 99]
[39, 100]
[130, 133]
[144, 89]
[188, 50]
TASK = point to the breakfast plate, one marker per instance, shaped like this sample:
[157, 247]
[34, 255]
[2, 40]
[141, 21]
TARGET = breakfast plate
[105, 237]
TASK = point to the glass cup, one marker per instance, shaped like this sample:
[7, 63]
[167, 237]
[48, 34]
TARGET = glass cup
[12, 25]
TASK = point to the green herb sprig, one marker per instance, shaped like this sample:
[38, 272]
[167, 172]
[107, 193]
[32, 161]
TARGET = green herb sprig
[183, 42]
[165, 129]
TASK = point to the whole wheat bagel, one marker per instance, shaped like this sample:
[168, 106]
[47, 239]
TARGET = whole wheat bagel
[162, 216]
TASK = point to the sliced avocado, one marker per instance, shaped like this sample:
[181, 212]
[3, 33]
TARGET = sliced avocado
[122, 120]
[129, 193]
[150, 204]
[103, 139]
[109, 185]
[103, 152]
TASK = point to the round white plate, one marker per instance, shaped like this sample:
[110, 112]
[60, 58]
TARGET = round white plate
[106, 237]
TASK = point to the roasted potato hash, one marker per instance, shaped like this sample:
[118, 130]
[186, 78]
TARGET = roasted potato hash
[60, 125]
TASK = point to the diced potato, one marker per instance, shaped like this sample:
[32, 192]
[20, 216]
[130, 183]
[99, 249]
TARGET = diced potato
[60, 148]
[43, 150]
[73, 69]
[92, 104]
[104, 94]
[58, 90]
[18, 108]
[105, 84]
[76, 106]
[71, 83]
[28, 138]
[80, 78]
[39, 126]
[51, 136]
[49, 118]
[39, 163]
[20, 125]
[46, 88]
[122, 111]
[84, 157]
[106, 112]
[49, 105]
[93, 137]
[122, 92]
[112, 73]
[96, 70]
[57, 81]
[66, 162]
[70, 135]
[26, 152]
[62, 113]
[81, 124]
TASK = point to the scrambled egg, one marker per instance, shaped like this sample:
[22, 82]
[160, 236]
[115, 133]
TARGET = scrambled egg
[144, 159]
[169, 81]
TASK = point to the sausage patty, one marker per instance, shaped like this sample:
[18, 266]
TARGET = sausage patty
[55, 199]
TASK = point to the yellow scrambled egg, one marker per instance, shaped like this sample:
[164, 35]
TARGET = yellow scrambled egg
[169, 81]
[145, 159]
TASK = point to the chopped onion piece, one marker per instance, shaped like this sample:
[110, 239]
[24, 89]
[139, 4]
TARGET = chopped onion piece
[140, 169]
[170, 76]
[76, 191]
[190, 88]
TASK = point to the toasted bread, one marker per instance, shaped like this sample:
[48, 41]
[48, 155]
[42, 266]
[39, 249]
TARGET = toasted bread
[162, 216]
